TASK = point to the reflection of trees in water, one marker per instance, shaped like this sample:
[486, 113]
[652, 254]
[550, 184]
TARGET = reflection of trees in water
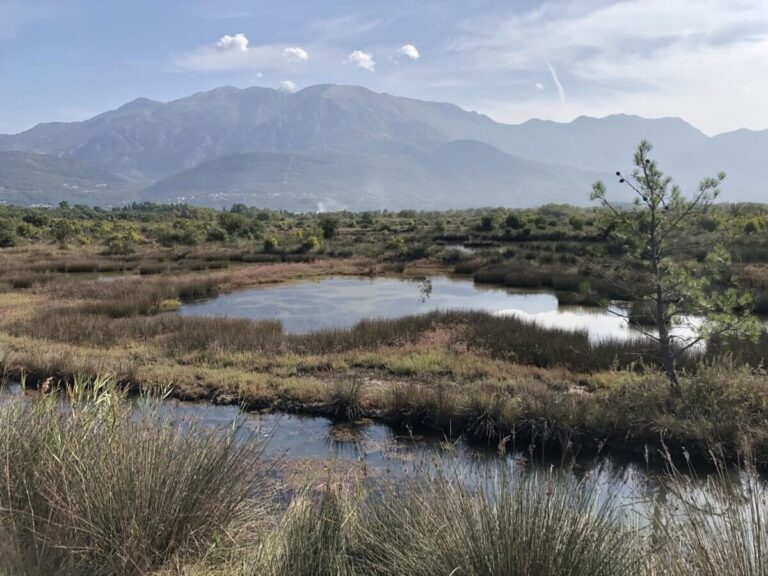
[425, 288]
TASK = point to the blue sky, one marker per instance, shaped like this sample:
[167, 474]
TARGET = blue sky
[705, 60]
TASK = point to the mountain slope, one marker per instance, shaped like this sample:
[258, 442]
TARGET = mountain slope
[600, 143]
[30, 178]
[148, 140]
[740, 154]
[397, 149]
[145, 140]
[459, 174]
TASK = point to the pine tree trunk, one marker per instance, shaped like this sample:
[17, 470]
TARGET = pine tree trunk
[665, 343]
[662, 321]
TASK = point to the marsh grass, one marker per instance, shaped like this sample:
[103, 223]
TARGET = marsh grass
[93, 487]
[516, 524]
[345, 399]
[455, 373]
[718, 526]
[504, 338]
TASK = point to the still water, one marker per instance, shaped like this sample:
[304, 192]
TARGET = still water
[302, 448]
[341, 302]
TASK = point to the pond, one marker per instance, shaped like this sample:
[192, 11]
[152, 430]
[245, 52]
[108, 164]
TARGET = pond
[306, 447]
[341, 302]
[377, 453]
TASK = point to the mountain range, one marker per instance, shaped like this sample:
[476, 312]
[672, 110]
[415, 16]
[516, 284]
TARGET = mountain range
[335, 147]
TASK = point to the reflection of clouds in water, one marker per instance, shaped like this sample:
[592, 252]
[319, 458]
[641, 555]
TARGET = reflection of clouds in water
[301, 445]
[341, 302]
[600, 324]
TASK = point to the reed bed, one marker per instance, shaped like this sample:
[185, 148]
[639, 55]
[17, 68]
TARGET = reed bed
[131, 318]
[93, 487]
[720, 525]
[96, 485]
[571, 282]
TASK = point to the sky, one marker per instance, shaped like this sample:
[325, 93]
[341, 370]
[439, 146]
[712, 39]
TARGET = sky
[705, 61]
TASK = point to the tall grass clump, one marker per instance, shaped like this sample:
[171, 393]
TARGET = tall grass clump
[313, 538]
[534, 523]
[537, 523]
[345, 400]
[94, 487]
[718, 527]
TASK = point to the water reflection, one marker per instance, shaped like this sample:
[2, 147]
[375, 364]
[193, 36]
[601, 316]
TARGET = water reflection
[381, 456]
[301, 448]
[341, 302]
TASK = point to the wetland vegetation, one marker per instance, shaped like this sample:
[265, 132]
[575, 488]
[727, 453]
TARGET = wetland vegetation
[94, 483]
[102, 299]
[96, 304]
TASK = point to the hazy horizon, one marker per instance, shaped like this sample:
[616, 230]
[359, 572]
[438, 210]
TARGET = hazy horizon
[166, 101]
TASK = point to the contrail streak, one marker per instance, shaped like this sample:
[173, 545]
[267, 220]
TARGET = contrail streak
[556, 80]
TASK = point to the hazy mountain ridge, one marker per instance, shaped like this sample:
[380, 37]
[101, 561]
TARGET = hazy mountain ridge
[350, 147]
[453, 175]
[31, 178]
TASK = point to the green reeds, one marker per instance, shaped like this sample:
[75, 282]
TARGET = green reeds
[95, 485]
[92, 486]
[535, 522]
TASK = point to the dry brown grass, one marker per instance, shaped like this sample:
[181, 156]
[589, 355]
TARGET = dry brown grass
[487, 376]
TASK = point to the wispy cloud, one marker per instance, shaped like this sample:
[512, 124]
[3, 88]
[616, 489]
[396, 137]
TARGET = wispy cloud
[556, 80]
[288, 86]
[345, 26]
[650, 57]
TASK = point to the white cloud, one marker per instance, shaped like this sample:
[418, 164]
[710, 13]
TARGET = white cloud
[409, 51]
[235, 52]
[539, 86]
[238, 42]
[288, 86]
[295, 54]
[362, 60]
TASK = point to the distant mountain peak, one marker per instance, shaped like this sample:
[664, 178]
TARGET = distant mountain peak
[373, 143]
[139, 103]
